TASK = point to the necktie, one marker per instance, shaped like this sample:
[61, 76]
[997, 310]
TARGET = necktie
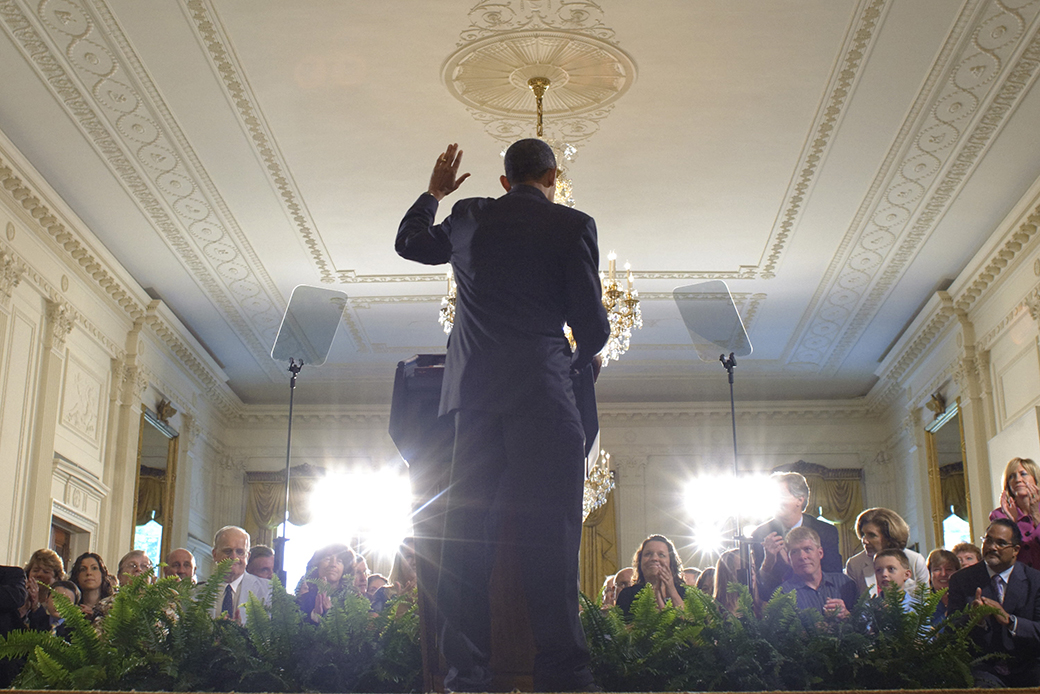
[229, 601]
[998, 585]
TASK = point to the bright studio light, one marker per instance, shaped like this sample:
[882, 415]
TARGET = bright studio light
[375, 506]
[714, 501]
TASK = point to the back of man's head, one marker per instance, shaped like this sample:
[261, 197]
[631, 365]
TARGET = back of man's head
[528, 160]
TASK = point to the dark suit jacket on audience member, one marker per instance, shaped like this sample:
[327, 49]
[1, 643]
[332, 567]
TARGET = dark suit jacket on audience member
[1022, 599]
[12, 597]
[831, 563]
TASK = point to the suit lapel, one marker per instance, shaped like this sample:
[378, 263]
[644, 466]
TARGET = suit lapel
[1015, 591]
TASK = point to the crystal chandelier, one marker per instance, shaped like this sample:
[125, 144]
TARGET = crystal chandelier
[599, 482]
[447, 316]
[622, 310]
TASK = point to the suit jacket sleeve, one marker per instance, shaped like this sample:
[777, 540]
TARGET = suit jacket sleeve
[585, 313]
[419, 239]
[12, 588]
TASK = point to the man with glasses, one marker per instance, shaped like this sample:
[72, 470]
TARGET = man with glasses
[1013, 589]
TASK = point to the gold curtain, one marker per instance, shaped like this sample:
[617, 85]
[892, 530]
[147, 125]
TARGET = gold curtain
[151, 490]
[265, 507]
[839, 493]
[951, 483]
[599, 547]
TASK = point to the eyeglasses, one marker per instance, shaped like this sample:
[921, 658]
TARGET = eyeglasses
[134, 566]
[996, 542]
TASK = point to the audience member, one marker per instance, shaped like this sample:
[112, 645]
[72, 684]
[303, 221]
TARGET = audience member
[43, 569]
[729, 569]
[690, 575]
[180, 563]
[706, 583]
[657, 564]
[770, 555]
[1013, 589]
[1020, 503]
[829, 592]
[361, 573]
[941, 565]
[91, 577]
[232, 542]
[968, 554]
[375, 582]
[624, 578]
[330, 573]
[879, 529]
[261, 562]
[402, 575]
[133, 564]
[892, 572]
[607, 594]
[55, 621]
[12, 598]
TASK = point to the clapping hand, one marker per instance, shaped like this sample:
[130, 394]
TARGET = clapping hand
[445, 179]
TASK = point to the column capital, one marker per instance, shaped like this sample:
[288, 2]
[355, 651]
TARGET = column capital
[61, 318]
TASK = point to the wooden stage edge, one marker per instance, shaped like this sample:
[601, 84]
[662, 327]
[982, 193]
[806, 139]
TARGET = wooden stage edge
[765, 691]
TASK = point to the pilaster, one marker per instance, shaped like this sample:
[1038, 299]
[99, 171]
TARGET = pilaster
[58, 323]
[971, 374]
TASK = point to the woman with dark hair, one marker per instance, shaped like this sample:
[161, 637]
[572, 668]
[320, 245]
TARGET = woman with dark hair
[1020, 504]
[656, 563]
[333, 565]
[728, 570]
[878, 529]
[941, 565]
[91, 577]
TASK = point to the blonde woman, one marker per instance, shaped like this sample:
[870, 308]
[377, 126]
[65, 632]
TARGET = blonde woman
[1020, 504]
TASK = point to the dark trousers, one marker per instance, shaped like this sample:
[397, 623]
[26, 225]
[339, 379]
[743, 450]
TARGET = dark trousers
[532, 469]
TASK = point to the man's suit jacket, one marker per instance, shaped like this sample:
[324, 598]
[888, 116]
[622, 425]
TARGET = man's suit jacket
[831, 563]
[1021, 598]
[259, 587]
[523, 266]
[12, 597]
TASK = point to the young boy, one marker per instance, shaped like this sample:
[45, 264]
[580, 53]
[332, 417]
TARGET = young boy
[892, 571]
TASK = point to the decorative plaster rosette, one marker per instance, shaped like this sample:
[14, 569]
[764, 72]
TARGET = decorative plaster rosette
[564, 41]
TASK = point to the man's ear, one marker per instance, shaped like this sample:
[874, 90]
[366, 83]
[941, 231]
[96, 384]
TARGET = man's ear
[549, 179]
[505, 183]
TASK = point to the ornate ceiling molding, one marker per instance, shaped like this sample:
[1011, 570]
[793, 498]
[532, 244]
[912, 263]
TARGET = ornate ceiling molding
[81, 54]
[651, 415]
[967, 98]
[859, 43]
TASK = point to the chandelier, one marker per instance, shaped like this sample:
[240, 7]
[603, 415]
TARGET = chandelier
[623, 310]
[447, 315]
[599, 482]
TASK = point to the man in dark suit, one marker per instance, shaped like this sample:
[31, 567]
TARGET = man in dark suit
[1012, 588]
[523, 266]
[772, 564]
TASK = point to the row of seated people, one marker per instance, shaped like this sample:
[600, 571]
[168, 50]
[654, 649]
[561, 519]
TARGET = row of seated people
[27, 594]
[796, 553]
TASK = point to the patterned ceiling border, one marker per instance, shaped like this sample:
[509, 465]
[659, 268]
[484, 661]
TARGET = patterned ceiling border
[66, 243]
[937, 146]
[139, 140]
[859, 42]
[1020, 243]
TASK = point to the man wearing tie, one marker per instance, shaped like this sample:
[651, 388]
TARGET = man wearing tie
[1014, 590]
[232, 542]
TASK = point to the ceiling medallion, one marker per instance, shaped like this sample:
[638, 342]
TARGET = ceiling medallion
[510, 42]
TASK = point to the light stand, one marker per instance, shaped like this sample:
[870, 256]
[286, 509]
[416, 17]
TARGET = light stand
[305, 336]
[714, 323]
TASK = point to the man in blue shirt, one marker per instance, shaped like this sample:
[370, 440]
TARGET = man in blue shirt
[831, 593]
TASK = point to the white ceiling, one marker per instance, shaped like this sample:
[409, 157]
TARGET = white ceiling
[835, 161]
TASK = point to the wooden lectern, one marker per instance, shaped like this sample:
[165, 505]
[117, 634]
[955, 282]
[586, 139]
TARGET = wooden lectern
[425, 442]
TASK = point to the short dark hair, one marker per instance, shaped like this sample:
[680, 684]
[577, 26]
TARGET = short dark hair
[795, 484]
[528, 160]
[1016, 534]
[260, 552]
[897, 554]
